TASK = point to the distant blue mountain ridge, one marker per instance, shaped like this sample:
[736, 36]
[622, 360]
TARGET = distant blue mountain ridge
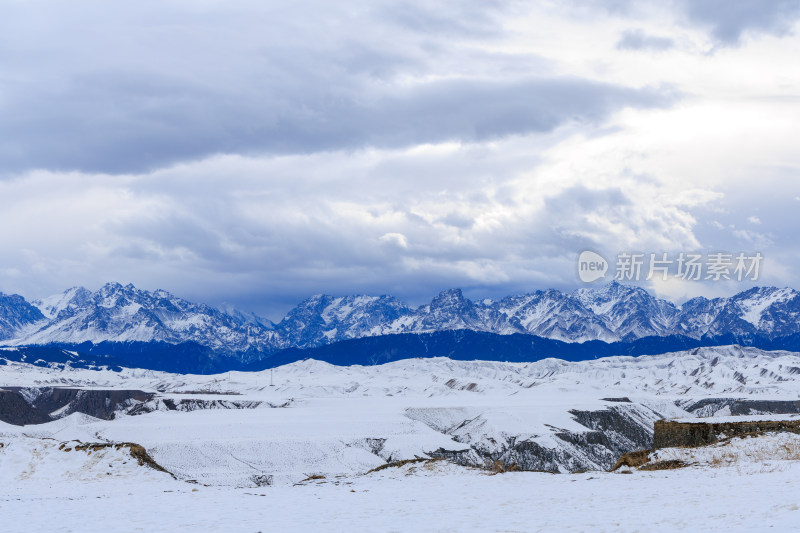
[124, 326]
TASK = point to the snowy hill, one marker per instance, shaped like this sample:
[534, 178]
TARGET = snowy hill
[418, 434]
[318, 418]
[719, 370]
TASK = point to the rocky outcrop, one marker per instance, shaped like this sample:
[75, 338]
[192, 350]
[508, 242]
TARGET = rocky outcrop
[15, 410]
[738, 407]
[23, 406]
[192, 404]
[609, 433]
[614, 432]
[674, 434]
[625, 426]
[103, 404]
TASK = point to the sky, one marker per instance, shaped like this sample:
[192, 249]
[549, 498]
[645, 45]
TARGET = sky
[256, 152]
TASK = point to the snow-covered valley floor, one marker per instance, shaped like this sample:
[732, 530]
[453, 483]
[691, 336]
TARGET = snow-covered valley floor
[443, 497]
[242, 451]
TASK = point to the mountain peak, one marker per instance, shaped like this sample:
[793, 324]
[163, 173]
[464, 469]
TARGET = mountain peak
[449, 295]
[614, 312]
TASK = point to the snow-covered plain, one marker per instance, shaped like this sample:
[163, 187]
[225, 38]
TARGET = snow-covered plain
[341, 422]
[431, 497]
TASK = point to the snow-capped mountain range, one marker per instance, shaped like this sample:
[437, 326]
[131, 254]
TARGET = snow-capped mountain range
[610, 313]
[125, 313]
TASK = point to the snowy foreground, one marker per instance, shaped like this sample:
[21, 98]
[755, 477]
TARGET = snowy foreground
[441, 498]
[242, 455]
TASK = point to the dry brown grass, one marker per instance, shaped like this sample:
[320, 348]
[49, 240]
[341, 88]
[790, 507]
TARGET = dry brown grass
[672, 464]
[95, 446]
[137, 451]
[785, 451]
[723, 459]
[499, 467]
[429, 465]
[313, 477]
[742, 452]
[632, 459]
[791, 451]
[397, 464]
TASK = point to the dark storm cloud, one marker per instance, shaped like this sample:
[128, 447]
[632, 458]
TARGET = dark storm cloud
[134, 94]
[639, 40]
[124, 125]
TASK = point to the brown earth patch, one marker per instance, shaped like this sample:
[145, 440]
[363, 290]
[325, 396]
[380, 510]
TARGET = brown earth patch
[632, 459]
[397, 464]
[672, 464]
[137, 451]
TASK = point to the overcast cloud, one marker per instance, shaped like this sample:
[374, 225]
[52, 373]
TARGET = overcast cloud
[256, 153]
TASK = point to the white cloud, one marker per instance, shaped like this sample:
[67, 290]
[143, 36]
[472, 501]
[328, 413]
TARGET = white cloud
[500, 141]
[397, 239]
[753, 238]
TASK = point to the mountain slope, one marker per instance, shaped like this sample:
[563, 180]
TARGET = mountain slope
[766, 311]
[551, 314]
[125, 313]
[70, 299]
[322, 319]
[17, 316]
[630, 312]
